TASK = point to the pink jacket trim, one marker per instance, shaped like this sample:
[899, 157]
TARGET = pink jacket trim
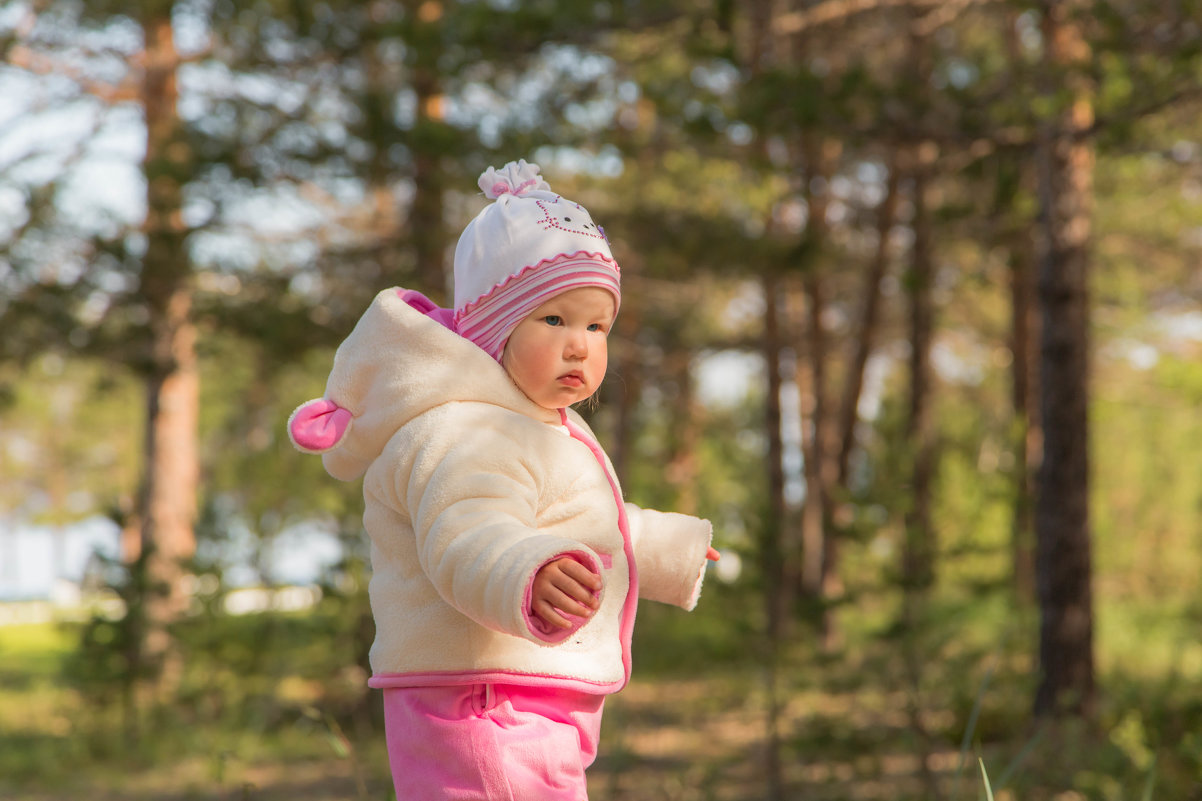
[386, 681]
[630, 605]
[421, 303]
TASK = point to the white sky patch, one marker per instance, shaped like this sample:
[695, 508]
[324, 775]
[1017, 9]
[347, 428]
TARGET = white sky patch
[1140, 355]
[876, 373]
[34, 558]
[724, 377]
[104, 189]
[958, 367]
[1183, 326]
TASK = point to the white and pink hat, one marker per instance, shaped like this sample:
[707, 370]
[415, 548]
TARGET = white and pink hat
[525, 248]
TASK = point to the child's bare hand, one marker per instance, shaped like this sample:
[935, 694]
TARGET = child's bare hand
[564, 585]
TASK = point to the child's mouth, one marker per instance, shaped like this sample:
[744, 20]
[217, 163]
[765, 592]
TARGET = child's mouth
[572, 379]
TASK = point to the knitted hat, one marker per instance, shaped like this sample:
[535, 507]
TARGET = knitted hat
[524, 249]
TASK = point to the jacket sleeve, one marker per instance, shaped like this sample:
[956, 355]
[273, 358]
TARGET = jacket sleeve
[473, 505]
[669, 551]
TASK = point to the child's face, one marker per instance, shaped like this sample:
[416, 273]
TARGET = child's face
[558, 355]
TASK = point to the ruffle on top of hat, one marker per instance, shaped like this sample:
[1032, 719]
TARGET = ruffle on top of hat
[515, 178]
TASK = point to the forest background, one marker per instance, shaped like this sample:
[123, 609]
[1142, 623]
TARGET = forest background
[912, 310]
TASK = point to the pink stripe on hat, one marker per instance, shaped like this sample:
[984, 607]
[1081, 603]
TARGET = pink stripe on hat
[490, 319]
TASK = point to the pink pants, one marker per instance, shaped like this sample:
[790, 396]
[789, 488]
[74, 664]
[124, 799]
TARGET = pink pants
[490, 742]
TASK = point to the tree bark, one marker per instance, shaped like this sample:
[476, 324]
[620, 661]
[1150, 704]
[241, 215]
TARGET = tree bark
[627, 386]
[777, 597]
[918, 552]
[1028, 435]
[773, 551]
[869, 322]
[169, 486]
[427, 228]
[1063, 559]
[685, 432]
[1026, 431]
[820, 555]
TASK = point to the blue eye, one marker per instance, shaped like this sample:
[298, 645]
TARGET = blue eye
[553, 319]
[595, 327]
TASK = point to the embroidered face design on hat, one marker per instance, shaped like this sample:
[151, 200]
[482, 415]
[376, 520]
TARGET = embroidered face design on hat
[521, 250]
[564, 215]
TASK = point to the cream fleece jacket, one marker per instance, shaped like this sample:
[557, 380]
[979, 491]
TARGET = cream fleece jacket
[469, 488]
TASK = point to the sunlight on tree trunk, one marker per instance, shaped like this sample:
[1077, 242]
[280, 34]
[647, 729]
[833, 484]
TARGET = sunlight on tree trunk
[170, 479]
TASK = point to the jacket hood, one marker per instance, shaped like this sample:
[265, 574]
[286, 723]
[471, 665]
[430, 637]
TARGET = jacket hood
[401, 360]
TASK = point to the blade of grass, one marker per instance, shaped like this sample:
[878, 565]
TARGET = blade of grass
[985, 778]
[1150, 783]
[971, 728]
[973, 716]
[1020, 756]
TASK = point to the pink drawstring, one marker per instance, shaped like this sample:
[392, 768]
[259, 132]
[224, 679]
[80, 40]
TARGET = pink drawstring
[502, 188]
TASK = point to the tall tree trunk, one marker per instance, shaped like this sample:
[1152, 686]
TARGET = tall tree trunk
[1063, 559]
[376, 108]
[1027, 439]
[777, 598]
[169, 485]
[427, 229]
[918, 552]
[820, 577]
[629, 384]
[812, 384]
[853, 385]
[685, 434]
[773, 551]
[1026, 432]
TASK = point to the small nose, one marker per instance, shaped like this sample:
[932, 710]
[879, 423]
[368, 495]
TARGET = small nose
[576, 346]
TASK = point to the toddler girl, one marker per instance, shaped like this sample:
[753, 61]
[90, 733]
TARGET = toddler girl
[505, 566]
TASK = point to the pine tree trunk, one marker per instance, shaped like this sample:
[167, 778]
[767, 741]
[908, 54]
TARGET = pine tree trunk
[773, 550]
[1026, 432]
[918, 553]
[626, 387]
[1028, 437]
[426, 224]
[1063, 559]
[169, 487]
[869, 322]
[685, 433]
[776, 591]
[812, 383]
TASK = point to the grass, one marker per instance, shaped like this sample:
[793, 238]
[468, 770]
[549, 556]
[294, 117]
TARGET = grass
[270, 710]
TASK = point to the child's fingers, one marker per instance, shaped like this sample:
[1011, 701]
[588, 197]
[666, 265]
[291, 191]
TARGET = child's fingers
[570, 595]
[564, 586]
[546, 611]
[561, 601]
[581, 574]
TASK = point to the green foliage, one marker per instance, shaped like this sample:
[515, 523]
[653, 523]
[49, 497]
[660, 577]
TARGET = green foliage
[304, 144]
